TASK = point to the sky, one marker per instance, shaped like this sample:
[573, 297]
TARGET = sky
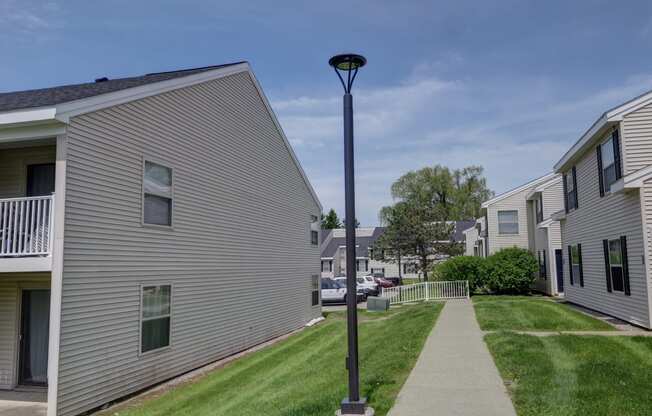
[508, 85]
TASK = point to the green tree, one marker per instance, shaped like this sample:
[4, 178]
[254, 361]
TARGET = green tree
[395, 240]
[431, 200]
[447, 195]
[330, 220]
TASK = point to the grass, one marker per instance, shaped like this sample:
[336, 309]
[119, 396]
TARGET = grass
[531, 313]
[305, 374]
[575, 375]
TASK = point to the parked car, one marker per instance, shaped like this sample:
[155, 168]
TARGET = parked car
[334, 291]
[396, 281]
[383, 282]
[365, 287]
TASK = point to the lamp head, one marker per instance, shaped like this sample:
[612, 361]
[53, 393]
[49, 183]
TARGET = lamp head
[348, 63]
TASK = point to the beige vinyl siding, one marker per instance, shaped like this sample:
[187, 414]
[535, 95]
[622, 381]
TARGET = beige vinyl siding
[13, 167]
[471, 238]
[636, 133]
[646, 204]
[553, 199]
[239, 256]
[597, 219]
[10, 285]
[513, 202]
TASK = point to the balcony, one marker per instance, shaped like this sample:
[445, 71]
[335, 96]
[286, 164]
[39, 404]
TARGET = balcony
[26, 233]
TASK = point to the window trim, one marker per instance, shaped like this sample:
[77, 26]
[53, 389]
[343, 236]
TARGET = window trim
[167, 165]
[313, 278]
[518, 226]
[606, 187]
[538, 209]
[568, 193]
[168, 347]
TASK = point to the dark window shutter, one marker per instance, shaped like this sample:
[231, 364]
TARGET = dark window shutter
[575, 190]
[565, 193]
[600, 178]
[607, 266]
[623, 248]
[570, 265]
[579, 254]
[616, 142]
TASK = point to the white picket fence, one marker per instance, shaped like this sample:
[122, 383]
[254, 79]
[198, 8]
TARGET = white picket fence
[458, 289]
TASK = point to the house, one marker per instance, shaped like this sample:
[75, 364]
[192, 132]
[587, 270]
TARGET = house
[333, 253]
[142, 220]
[523, 217]
[607, 218]
[474, 239]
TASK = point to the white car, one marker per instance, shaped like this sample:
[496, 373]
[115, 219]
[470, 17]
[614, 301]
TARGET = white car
[332, 291]
[365, 286]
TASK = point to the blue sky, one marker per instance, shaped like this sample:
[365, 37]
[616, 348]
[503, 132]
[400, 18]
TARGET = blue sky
[509, 85]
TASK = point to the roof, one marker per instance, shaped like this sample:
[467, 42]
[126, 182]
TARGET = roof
[18, 100]
[521, 188]
[368, 239]
[43, 113]
[609, 117]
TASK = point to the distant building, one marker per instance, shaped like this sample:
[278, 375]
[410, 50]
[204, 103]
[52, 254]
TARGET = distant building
[333, 253]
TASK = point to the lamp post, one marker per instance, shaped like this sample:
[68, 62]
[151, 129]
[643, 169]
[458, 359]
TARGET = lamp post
[346, 67]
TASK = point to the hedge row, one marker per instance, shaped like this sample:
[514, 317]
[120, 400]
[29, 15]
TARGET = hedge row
[509, 271]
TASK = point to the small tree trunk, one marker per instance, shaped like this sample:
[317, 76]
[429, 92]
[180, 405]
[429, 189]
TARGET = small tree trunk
[400, 276]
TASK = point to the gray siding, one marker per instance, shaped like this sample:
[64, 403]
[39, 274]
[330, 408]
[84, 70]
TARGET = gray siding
[10, 286]
[596, 219]
[13, 167]
[497, 241]
[553, 199]
[239, 256]
[636, 130]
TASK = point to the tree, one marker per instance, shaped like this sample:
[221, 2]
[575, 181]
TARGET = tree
[447, 195]
[430, 200]
[330, 220]
[395, 240]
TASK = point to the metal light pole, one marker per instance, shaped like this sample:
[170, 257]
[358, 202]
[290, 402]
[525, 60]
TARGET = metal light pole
[348, 66]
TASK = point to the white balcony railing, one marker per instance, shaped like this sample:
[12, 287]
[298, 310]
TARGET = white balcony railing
[26, 226]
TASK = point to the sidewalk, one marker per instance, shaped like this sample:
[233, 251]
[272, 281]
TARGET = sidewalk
[455, 374]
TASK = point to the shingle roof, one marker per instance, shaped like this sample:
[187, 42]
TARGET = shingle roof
[56, 95]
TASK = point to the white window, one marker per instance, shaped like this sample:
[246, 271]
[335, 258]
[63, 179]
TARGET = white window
[571, 191]
[576, 262]
[608, 173]
[157, 194]
[616, 266]
[361, 265]
[539, 208]
[315, 289]
[155, 317]
[507, 222]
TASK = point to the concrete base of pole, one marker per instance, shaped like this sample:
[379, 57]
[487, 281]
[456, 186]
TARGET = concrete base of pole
[368, 411]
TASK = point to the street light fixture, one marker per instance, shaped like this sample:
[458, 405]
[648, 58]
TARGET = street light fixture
[346, 67]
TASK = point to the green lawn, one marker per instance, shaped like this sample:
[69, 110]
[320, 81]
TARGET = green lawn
[305, 374]
[575, 375]
[531, 313]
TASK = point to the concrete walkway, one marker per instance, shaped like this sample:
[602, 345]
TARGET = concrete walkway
[455, 374]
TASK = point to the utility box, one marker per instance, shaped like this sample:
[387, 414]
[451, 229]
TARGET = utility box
[375, 304]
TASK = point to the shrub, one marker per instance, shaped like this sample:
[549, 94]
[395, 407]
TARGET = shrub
[511, 271]
[463, 268]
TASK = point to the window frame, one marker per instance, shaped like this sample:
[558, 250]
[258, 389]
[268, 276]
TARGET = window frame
[517, 221]
[166, 165]
[315, 280]
[538, 208]
[141, 287]
[606, 186]
[571, 189]
[620, 265]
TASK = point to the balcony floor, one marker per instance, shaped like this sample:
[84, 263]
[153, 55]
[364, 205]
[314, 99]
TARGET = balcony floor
[27, 402]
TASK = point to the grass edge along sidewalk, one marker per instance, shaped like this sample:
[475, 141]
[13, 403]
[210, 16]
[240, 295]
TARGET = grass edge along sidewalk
[304, 374]
[532, 313]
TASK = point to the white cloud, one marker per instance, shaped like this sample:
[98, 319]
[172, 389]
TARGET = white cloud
[517, 131]
[28, 19]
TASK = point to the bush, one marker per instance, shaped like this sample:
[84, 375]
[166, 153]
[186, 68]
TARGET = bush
[511, 271]
[463, 268]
